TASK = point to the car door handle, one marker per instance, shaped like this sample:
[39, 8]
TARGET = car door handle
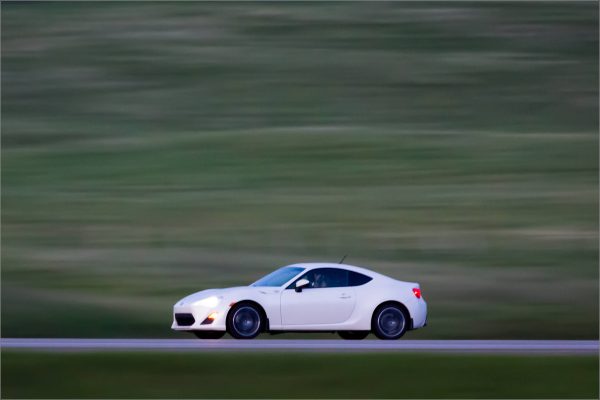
[345, 296]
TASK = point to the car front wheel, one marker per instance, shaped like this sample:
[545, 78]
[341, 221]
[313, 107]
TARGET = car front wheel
[389, 322]
[353, 335]
[244, 321]
[209, 334]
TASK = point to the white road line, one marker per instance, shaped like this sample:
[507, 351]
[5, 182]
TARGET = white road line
[477, 346]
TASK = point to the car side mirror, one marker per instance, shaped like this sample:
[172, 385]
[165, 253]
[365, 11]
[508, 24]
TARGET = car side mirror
[300, 284]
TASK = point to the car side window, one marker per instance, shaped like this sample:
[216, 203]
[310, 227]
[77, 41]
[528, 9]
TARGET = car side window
[356, 279]
[324, 278]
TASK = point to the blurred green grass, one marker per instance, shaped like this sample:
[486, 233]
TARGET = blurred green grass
[152, 150]
[294, 375]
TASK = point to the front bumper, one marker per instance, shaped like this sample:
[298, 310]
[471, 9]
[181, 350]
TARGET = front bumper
[190, 317]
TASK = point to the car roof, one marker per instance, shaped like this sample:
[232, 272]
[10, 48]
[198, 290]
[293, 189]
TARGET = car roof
[354, 268]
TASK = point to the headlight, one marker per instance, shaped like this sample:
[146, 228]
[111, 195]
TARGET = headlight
[210, 302]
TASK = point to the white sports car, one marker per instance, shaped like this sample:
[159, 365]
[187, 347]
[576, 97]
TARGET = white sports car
[315, 297]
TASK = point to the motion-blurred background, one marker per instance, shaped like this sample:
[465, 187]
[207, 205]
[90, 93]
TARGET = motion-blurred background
[150, 150]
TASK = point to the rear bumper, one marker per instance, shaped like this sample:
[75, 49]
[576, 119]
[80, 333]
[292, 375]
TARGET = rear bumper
[419, 314]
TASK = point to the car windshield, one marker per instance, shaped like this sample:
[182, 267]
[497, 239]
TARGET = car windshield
[278, 277]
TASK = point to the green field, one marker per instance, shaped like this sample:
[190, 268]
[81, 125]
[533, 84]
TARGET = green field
[284, 375]
[150, 150]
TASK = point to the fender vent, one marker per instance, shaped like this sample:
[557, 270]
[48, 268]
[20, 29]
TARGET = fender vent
[184, 319]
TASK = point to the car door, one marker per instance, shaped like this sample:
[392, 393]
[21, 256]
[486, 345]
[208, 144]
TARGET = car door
[326, 300]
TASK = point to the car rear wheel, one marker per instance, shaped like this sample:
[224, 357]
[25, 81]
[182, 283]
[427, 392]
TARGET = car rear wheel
[353, 335]
[244, 321]
[389, 322]
[209, 334]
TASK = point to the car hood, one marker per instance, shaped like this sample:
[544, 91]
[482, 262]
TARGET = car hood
[226, 293]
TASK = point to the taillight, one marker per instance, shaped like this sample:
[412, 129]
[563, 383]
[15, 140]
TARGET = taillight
[417, 292]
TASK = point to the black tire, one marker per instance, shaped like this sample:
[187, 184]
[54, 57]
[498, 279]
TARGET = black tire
[390, 322]
[353, 335]
[245, 321]
[209, 334]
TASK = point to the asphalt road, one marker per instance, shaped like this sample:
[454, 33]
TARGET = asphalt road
[471, 346]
